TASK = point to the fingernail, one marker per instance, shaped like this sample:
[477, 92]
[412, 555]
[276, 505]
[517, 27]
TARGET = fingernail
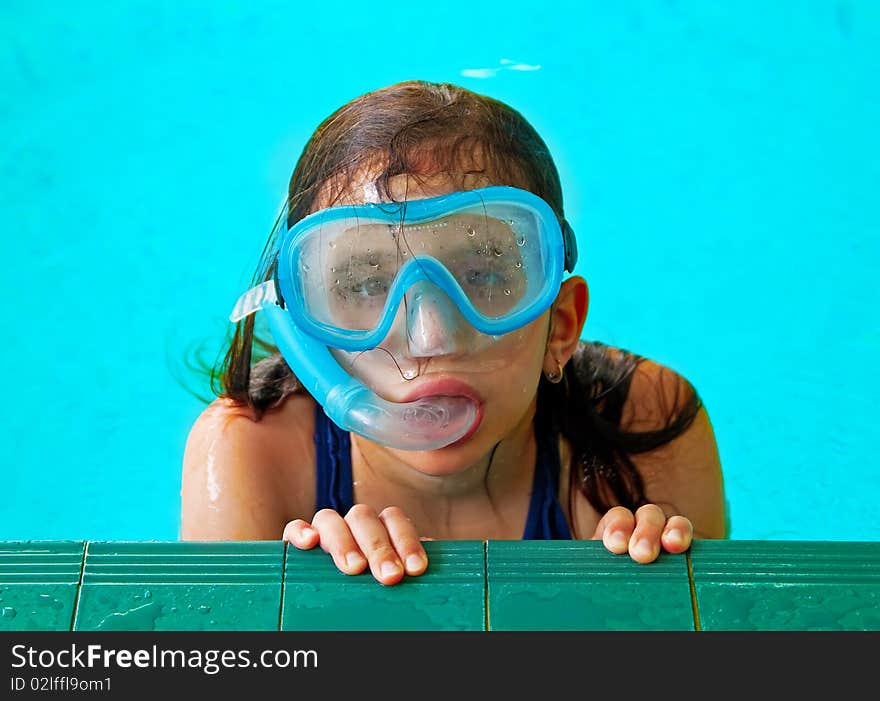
[354, 560]
[414, 563]
[389, 569]
[617, 540]
[306, 533]
[675, 536]
[644, 548]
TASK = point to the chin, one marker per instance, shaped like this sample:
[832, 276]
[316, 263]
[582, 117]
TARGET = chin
[455, 458]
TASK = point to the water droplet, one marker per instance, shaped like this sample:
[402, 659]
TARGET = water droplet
[332, 270]
[471, 232]
[507, 293]
[518, 264]
[8, 612]
[147, 593]
[521, 241]
[497, 251]
[306, 267]
[204, 609]
[332, 244]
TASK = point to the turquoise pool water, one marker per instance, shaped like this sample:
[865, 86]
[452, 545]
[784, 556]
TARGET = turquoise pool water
[721, 167]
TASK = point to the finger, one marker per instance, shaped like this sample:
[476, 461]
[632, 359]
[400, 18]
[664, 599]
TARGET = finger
[301, 534]
[615, 529]
[644, 544]
[374, 542]
[338, 541]
[677, 535]
[405, 540]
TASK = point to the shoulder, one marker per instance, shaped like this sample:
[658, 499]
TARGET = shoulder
[664, 428]
[242, 477]
[636, 393]
[677, 456]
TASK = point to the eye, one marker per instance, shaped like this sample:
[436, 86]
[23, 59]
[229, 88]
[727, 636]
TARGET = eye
[369, 288]
[484, 277]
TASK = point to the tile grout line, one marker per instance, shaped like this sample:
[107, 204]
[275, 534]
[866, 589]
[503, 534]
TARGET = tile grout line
[486, 585]
[82, 571]
[283, 585]
[693, 588]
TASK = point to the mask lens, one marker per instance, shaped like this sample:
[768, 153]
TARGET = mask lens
[346, 271]
[347, 266]
[484, 258]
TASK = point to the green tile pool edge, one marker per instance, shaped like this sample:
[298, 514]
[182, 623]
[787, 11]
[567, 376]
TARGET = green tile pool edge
[578, 585]
[181, 585]
[786, 585]
[39, 583]
[735, 585]
[450, 595]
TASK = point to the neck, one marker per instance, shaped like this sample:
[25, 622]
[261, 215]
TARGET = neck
[442, 488]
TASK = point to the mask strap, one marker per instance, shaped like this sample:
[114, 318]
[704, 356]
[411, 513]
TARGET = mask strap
[254, 300]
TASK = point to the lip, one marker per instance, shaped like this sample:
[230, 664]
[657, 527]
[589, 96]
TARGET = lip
[447, 387]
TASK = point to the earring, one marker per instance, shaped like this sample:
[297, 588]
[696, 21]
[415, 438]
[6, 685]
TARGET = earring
[555, 377]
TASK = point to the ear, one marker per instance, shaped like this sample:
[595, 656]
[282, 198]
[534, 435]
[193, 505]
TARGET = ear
[567, 317]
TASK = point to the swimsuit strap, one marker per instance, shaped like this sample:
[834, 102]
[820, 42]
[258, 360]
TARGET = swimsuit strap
[545, 520]
[333, 465]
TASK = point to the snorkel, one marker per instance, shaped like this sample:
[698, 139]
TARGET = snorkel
[425, 424]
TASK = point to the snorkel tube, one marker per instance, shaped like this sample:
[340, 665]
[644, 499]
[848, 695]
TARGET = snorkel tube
[425, 424]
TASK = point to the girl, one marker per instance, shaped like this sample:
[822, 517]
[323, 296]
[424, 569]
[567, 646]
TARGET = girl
[425, 378]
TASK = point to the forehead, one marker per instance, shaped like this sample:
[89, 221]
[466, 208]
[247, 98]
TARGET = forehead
[361, 188]
[429, 173]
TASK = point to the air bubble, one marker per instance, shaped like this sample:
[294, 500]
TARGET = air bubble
[497, 251]
[507, 293]
[471, 231]
[518, 264]
[521, 241]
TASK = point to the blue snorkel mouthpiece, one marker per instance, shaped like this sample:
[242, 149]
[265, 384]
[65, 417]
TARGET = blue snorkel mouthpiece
[425, 424]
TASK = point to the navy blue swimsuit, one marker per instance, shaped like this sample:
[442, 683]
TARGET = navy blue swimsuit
[334, 481]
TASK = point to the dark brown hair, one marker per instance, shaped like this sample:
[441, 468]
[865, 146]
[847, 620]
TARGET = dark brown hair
[422, 128]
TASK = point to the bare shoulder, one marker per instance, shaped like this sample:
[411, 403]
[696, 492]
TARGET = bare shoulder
[242, 477]
[684, 474]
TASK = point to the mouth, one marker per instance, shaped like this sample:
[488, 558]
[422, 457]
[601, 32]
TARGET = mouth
[448, 387]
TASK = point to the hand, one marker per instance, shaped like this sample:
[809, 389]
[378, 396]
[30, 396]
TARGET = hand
[387, 541]
[643, 533]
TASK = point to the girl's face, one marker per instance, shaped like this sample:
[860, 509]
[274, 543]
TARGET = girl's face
[431, 350]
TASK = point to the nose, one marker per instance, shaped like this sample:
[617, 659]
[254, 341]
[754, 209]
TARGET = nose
[433, 323]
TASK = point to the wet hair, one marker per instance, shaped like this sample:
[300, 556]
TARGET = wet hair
[422, 129]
